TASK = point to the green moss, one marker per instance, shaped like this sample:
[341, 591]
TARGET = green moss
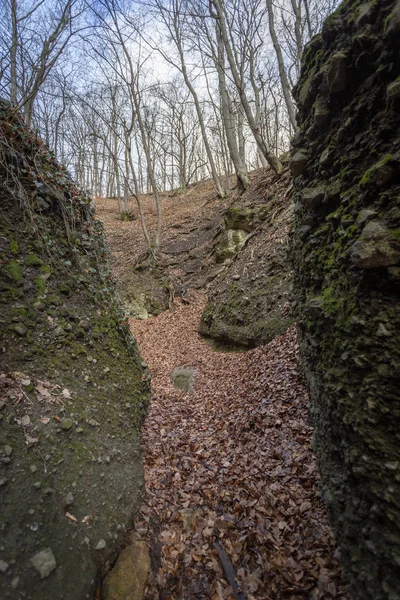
[65, 290]
[40, 286]
[13, 271]
[366, 178]
[331, 303]
[54, 299]
[33, 261]
[45, 269]
[13, 247]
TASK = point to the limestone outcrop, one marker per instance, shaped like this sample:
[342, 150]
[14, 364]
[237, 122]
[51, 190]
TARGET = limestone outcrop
[346, 250]
[73, 389]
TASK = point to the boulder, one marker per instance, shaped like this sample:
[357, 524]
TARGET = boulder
[127, 579]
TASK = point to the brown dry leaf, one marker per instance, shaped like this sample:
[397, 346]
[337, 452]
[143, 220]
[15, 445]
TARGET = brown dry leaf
[30, 441]
[42, 390]
[71, 517]
[236, 450]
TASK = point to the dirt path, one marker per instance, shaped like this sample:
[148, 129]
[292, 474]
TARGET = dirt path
[230, 462]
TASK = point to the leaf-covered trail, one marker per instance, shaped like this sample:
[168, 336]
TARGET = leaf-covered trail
[230, 462]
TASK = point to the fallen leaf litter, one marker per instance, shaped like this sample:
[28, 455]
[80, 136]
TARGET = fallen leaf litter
[229, 469]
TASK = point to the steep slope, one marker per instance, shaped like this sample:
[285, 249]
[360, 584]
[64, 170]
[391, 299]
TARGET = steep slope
[346, 159]
[73, 389]
[248, 299]
[234, 249]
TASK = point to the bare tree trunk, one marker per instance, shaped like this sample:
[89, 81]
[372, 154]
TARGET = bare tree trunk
[297, 32]
[137, 191]
[308, 20]
[271, 158]
[241, 138]
[228, 119]
[176, 35]
[13, 53]
[281, 66]
[257, 103]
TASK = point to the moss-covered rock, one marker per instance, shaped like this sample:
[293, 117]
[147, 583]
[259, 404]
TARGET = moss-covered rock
[248, 300]
[72, 386]
[346, 254]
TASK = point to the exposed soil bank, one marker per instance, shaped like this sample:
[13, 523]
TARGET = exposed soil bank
[73, 390]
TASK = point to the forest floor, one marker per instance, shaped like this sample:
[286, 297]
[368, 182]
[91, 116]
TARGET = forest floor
[232, 508]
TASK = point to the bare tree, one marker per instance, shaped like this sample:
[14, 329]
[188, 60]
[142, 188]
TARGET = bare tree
[233, 64]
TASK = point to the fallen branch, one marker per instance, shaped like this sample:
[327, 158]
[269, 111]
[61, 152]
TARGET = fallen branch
[229, 571]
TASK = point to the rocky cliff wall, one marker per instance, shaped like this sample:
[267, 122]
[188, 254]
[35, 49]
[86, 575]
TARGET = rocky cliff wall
[73, 390]
[346, 248]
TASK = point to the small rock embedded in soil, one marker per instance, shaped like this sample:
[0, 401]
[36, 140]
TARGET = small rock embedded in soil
[67, 424]
[44, 562]
[101, 545]
[25, 420]
[3, 566]
[21, 330]
[69, 499]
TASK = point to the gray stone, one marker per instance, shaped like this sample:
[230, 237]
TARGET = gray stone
[182, 378]
[2, 404]
[101, 545]
[321, 112]
[314, 305]
[3, 566]
[69, 499]
[364, 13]
[15, 583]
[393, 90]
[298, 162]
[392, 25]
[307, 91]
[366, 214]
[375, 248]
[25, 420]
[8, 450]
[336, 74]
[21, 330]
[3, 481]
[39, 305]
[311, 197]
[44, 562]
[326, 157]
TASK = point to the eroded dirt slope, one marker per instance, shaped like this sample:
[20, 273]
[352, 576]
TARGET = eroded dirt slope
[236, 249]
